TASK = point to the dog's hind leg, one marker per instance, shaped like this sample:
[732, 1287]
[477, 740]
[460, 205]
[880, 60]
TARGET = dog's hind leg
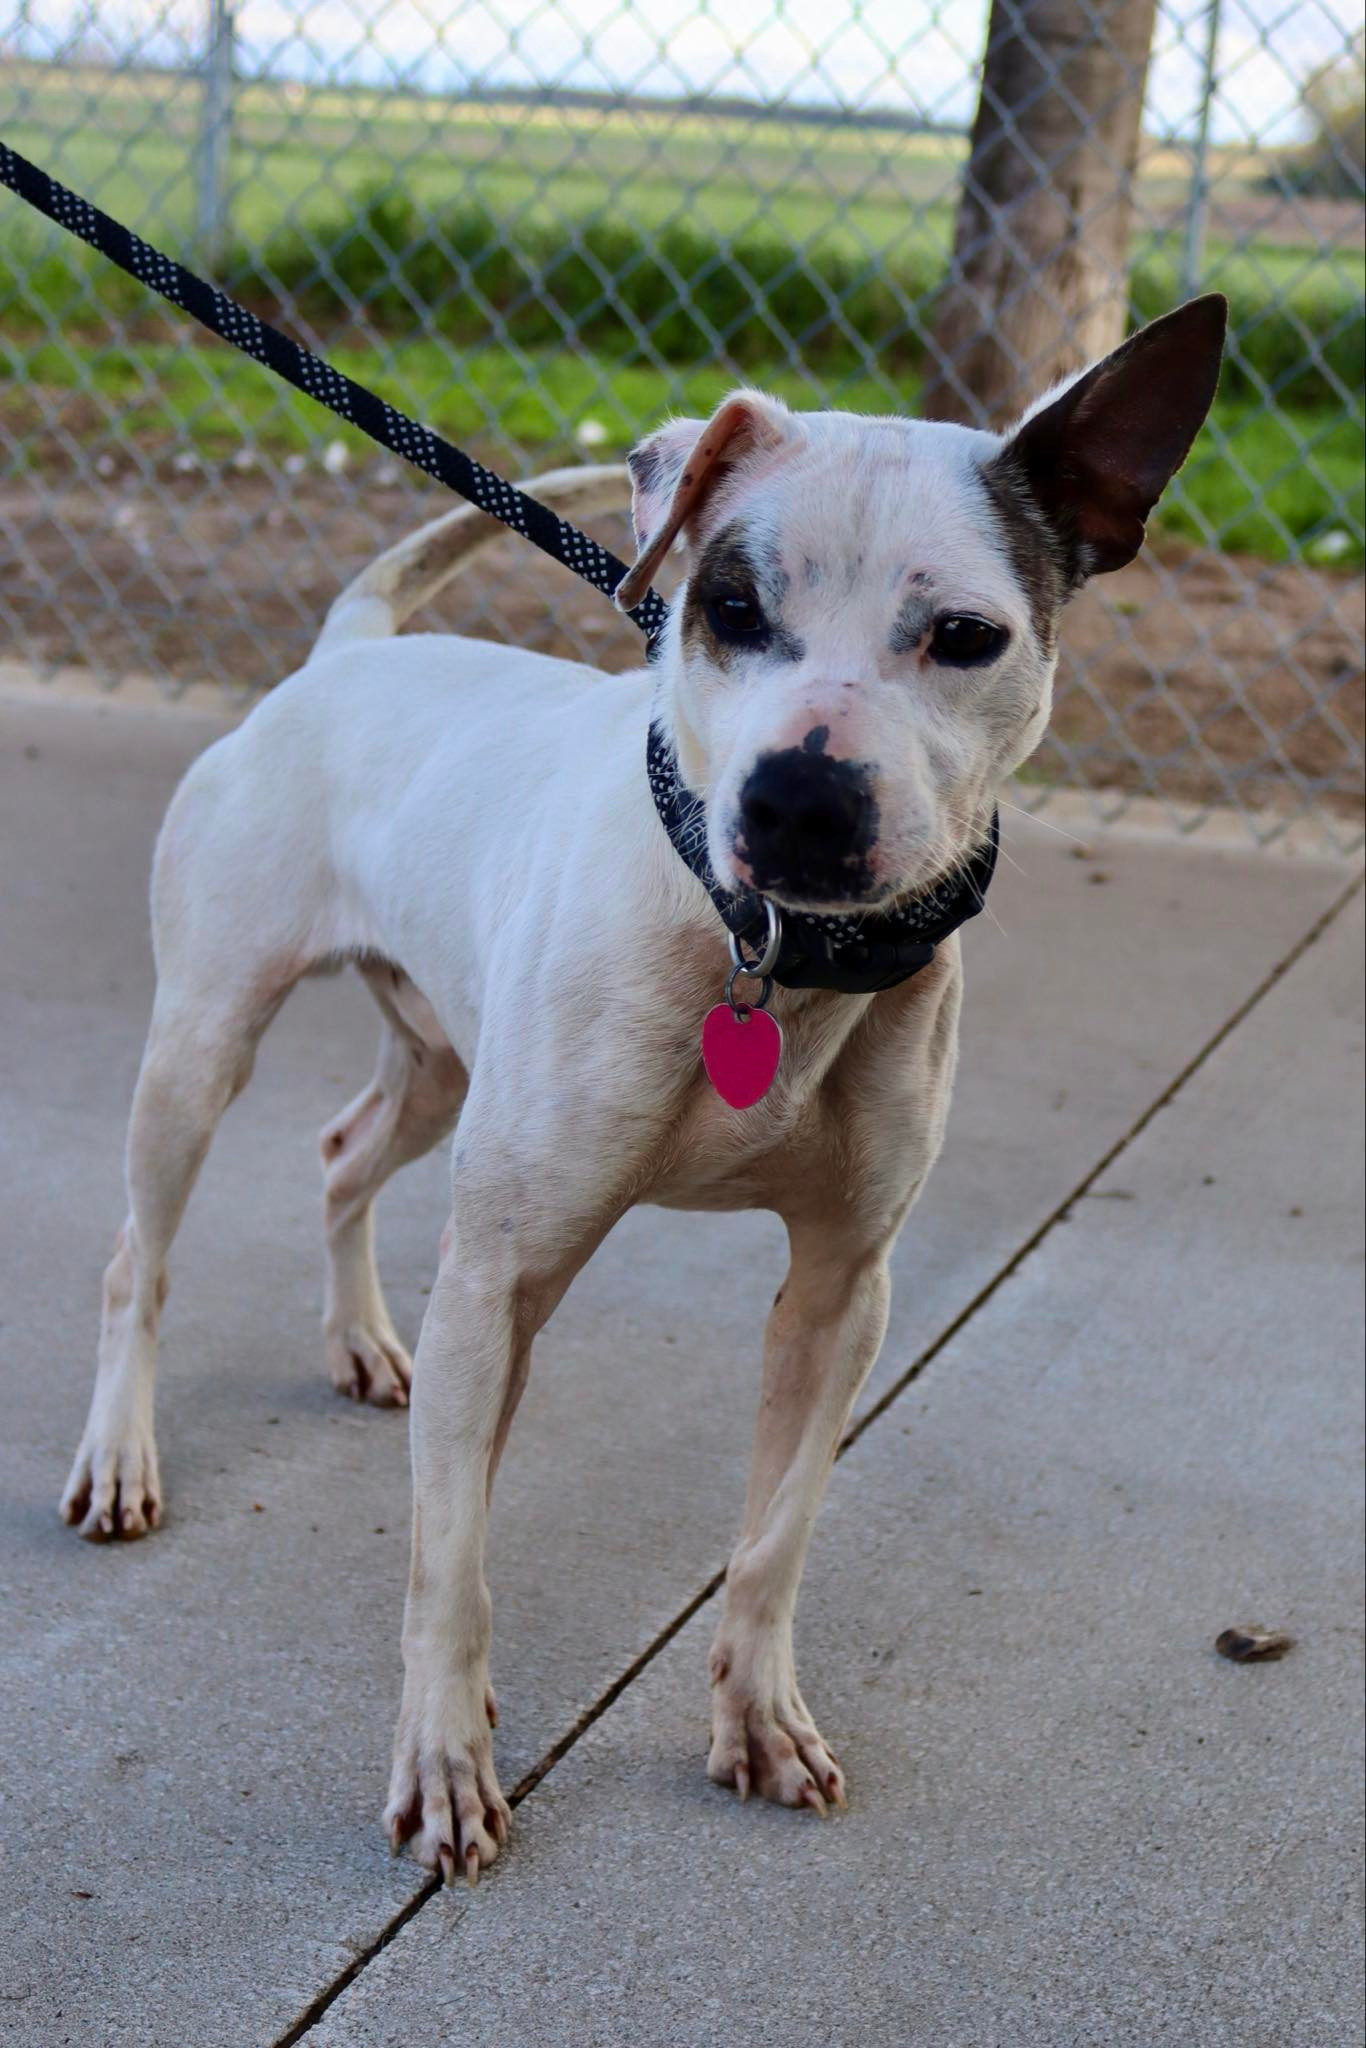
[410, 1105]
[199, 1055]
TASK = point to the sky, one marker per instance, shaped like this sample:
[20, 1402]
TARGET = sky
[911, 56]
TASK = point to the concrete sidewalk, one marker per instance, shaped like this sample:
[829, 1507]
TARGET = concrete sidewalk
[1070, 1822]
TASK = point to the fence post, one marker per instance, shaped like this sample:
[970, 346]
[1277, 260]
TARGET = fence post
[1193, 255]
[214, 144]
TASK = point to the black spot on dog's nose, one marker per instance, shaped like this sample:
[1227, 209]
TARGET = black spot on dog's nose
[808, 824]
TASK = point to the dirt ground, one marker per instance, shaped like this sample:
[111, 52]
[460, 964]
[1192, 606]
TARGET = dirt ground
[1193, 676]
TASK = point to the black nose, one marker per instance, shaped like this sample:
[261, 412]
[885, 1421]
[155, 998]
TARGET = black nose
[807, 825]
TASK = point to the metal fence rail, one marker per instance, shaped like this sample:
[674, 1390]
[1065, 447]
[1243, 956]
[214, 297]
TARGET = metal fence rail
[544, 224]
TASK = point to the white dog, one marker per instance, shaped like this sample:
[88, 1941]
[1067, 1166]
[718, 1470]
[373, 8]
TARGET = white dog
[862, 651]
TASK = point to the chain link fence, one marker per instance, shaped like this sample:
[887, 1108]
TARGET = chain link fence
[545, 224]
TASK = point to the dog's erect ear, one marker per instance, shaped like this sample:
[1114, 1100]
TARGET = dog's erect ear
[677, 470]
[1097, 458]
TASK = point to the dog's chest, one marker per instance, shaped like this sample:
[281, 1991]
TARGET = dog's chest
[723, 1158]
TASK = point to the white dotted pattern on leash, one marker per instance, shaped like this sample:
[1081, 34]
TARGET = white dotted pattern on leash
[156, 270]
[495, 495]
[75, 213]
[324, 383]
[413, 442]
[585, 557]
[240, 327]
[312, 374]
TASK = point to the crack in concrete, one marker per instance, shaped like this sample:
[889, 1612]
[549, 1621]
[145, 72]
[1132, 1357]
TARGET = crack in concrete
[527, 1784]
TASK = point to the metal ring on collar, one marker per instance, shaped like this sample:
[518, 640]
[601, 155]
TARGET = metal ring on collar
[760, 1002]
[763, 966]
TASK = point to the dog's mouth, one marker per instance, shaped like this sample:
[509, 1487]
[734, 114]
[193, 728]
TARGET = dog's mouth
[860, 903]
[862, 895]
[850, 889]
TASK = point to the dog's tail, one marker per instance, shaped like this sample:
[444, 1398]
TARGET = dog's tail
[410, 574]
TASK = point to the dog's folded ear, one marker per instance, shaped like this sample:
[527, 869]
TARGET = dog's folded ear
[677, 471]
[1097, 457]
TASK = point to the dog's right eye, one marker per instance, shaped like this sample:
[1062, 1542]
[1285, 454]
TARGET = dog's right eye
[735, 615]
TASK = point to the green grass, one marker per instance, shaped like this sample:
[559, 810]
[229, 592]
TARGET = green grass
[633, 294]
[128, 140]
[208, 398]
[513, 191]
[1257, 480]
[1256, 483]
[305, 157]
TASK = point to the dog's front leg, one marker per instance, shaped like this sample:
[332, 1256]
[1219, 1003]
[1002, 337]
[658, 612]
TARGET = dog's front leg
[538, 1183]
[469, 1372]
[823, 1335]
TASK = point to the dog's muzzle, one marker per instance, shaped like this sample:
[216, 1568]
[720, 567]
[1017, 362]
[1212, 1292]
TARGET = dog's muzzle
[807, 826]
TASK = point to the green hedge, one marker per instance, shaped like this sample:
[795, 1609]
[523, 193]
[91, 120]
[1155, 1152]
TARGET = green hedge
[617, 290]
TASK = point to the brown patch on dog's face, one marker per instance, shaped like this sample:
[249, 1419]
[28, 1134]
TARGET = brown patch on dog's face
[912, 623]
[1044, 564]
[853, 664]
[895, 586]
[735, 565]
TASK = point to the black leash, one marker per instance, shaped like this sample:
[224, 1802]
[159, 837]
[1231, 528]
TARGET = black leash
[855, 955]
[317, 379]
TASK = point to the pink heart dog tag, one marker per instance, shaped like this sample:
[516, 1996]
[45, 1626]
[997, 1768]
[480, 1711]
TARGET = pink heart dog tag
[741, 1049]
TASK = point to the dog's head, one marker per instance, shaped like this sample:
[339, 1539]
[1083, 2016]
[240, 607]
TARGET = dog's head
[865, 644]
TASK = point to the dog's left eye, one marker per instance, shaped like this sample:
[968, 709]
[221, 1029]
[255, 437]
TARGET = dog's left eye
[735, 615]
[962, 641]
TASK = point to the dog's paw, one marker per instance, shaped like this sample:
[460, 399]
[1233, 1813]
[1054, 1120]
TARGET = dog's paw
[114, 1490]
[772, 1747]
[367, 1363]
[444, 1798]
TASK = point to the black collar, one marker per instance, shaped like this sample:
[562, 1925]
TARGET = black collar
[858, 956]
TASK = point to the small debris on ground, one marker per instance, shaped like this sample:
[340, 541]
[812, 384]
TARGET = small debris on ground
[1252, 1645]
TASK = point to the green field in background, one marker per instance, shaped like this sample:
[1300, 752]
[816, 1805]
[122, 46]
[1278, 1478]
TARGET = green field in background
[306, 156]
[128, 142]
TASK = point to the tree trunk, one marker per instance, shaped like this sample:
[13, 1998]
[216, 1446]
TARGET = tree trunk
[1039, 280]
